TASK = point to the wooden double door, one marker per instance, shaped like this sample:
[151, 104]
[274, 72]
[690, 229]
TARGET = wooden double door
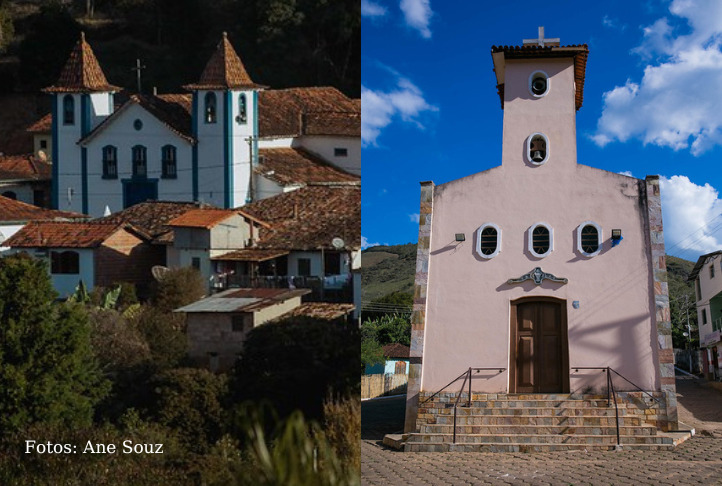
[539, 346]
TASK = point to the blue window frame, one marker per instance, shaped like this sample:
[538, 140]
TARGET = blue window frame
[68, 110]
[168, 155]
[140, 162]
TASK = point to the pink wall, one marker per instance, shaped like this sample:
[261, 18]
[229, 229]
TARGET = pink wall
[468, 299]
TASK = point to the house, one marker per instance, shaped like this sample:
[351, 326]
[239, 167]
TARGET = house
[25, 178]
[226, 143]
[396, 361]
[218, 325]
[707, 278]
[99, 254]
[16, 214]
[541, 267]
[307, 238]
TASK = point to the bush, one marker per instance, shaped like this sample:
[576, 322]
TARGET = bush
[342, 429]
[179, 287]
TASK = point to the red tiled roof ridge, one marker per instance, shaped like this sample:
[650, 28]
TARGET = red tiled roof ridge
[82, 72]
[224, 70]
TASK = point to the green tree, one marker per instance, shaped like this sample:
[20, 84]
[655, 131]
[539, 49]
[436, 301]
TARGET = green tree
[47, 370]
[6, 28]
[296, 363]
[178, 287]
[388, 329]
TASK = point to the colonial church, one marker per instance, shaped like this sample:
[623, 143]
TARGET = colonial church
[538, 278]
[227, 143]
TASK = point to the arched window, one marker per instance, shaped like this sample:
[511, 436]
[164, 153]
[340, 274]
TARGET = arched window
[65, 262]
[210, 108]
[488, 240]
[68, 110]
[539, 84]
[242, 110]
[541, 239]
[140, 163]
[10, 195]
[110, 162]
[537, 150]
[589, 238]
[169, 162]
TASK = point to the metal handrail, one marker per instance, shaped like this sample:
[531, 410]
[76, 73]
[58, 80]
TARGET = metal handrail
[467, 376]
[611, 392]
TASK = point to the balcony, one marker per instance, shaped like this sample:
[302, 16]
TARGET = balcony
[333, 288]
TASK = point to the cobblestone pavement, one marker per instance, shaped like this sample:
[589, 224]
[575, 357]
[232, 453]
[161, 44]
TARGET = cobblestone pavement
[697, 461]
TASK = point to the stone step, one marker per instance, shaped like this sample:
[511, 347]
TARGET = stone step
[535, 420]
[538, 439]
[475, 403]
[517, 447]
[543, 411]
[511, 430]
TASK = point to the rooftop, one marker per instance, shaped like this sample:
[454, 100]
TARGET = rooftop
[17, 211]
[82, 73]
[202, 218]
[56, 234]
[25, 167]
[320, 310]
[396, 350]
[224, 70]
[287, 166]
[309, 218]
[242, 300]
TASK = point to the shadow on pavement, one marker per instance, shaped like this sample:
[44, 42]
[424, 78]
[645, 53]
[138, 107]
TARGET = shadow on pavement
[382, 416]
[699, 405]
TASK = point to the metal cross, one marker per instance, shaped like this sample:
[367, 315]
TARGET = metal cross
[138, 67]
[541, 40]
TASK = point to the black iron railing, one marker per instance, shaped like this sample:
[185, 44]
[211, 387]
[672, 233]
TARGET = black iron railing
[611, 392]
[467, 377]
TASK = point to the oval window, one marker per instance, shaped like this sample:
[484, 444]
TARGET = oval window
[589, 238]
[488, 240]
[540, 239]
[537, 148]
[539, 84]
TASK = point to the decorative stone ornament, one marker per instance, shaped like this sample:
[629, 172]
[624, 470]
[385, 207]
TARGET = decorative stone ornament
[538, 276]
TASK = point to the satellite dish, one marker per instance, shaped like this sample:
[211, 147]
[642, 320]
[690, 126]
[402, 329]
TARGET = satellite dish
[159, 271]
[338, 243]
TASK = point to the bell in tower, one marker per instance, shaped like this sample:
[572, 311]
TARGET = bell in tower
[538, 149]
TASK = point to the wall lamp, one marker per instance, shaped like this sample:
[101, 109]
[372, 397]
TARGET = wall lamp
[460, 237]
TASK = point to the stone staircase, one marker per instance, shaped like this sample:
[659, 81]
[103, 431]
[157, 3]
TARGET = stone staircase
[535, 423]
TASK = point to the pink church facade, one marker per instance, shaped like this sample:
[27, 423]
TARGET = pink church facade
[521, 267]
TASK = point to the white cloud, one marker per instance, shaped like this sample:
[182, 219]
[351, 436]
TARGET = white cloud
[612, 23]
[677, 102]
[627, 173]
[418, 15]
[366, 244]
[372, 9]
[691, 214]
[414, 218]
[379, 108]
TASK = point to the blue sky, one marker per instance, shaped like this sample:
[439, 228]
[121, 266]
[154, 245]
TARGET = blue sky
[652, 102]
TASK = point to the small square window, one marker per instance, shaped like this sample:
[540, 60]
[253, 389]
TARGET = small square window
[711, 271]
[340, 152]
[43, 144]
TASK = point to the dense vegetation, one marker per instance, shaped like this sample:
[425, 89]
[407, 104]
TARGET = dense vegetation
[388, 269]
[105, 369]
[283, 43]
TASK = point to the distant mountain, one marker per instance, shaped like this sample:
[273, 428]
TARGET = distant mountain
[387, 269]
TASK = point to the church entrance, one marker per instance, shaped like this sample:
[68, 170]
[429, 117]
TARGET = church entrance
[139, 190]
[539, 346]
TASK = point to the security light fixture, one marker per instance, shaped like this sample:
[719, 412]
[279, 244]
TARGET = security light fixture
[616, 234]
[460, 237]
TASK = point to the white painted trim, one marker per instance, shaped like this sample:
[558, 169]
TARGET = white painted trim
[478, 240]
[600, 238]
[549, 83]
[530, 239]
[528, 148]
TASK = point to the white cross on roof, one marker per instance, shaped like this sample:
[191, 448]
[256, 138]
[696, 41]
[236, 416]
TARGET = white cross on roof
[541, 41]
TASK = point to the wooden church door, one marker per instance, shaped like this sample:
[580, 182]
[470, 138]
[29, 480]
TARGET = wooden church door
[539, 346]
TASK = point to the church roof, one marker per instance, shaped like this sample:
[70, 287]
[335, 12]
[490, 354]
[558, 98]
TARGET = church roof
[64, 234]
[82, 73]
[12, 210]
[578, 52]
[308, 111]
[287, 166]
[224, 70]
[24, 168]
[309, 218]
[173, 110]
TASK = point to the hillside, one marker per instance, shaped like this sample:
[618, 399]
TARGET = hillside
[387, 269]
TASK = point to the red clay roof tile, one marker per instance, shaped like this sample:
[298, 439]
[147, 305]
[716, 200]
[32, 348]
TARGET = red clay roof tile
[202, 218]
[82, 73]
[55, 234]
[288, 166]
[24, 168]
[224, 70]
[12, 210]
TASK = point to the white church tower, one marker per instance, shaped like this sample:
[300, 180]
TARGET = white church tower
[225, 125]
[81, 99]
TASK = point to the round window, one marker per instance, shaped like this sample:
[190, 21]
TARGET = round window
[539, 83]
[137, 124]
